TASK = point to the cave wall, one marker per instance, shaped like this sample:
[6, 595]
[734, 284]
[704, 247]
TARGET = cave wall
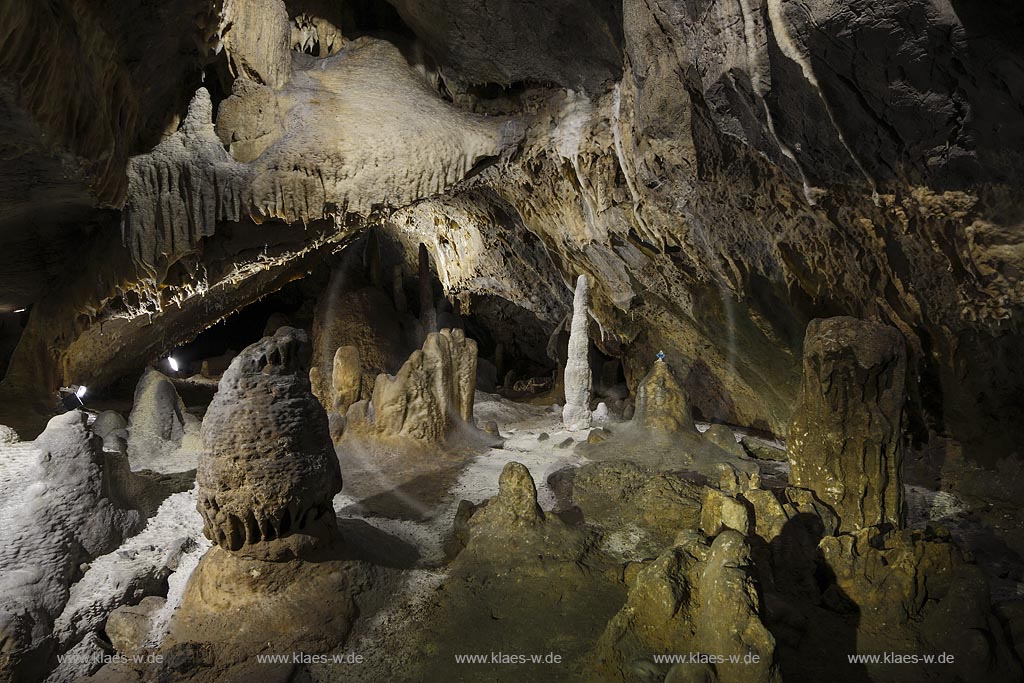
[723, 172]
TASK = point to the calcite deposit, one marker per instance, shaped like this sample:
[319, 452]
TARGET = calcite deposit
[846, 438]
[431, 394]
[639, 328]
[268, 471]
[579, 379]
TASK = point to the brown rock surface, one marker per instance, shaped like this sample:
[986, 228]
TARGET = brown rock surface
[846, 437]
[268, 472]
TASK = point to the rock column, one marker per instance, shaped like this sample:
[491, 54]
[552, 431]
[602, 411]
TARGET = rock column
[268, 472]
[578, 380]
[845, 439]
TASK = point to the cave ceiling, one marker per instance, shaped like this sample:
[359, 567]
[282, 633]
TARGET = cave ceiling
[723, 172]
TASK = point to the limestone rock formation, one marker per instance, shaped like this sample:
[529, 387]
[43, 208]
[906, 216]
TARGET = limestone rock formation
[268, 471]
[692, 598]
[159, 427]
[363, 318]
[112, 428]
[432, 393]
[579, 378]
[890, 577]
[646, 507]
[723, 437]
[661, 404]
[516, 503]
[128, 626]
[57, 516]
[257, 38]
[346, 378]
[846, 437]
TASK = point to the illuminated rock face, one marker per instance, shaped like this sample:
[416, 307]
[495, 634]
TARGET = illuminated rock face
[578, 378]
[845, 440]
[268, 472]
[661, 404]
[432, 392]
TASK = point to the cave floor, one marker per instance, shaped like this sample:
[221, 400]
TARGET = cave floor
[397, 513]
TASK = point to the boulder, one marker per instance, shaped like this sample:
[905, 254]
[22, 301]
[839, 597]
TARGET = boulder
[128, 626]
[723, 437]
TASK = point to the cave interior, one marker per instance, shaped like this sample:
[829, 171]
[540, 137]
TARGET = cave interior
[620, 341]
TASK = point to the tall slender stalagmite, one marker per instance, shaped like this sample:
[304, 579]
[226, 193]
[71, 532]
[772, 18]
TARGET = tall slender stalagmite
[578, 380]
[428, 315]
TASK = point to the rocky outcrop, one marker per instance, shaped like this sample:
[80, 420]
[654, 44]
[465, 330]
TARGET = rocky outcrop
[846, 438]
[661, 404]
[431, 394]
[268, 471]
[694, 598]
[889, 577]
[579, 378]
[315, 166]
[642, 509]
[57, 516]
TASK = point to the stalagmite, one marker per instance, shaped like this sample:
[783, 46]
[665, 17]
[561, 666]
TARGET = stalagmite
[268, 472]
[578, 381]
[846, 440]
[347, 378]
[428, 315]
[431, 393]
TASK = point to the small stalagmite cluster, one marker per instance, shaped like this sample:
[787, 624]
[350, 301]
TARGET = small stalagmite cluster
[430, 395]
